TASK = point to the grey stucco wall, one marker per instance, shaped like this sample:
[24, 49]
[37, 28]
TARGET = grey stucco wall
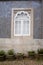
[5, 16]
[42, 19]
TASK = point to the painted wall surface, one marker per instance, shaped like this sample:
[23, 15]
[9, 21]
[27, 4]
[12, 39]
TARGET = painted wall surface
[20, 44]
[5, 16]
[42, 19]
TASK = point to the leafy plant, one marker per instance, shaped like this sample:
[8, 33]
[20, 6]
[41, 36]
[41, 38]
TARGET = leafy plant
[10, 52]
[2, 52]
[40, 51]
[20, 55]
[10, 55]
[30, 53]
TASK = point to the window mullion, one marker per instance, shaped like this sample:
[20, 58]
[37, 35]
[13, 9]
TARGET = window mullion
[14, 27]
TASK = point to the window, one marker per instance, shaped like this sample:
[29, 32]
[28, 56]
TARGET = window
[22, 24]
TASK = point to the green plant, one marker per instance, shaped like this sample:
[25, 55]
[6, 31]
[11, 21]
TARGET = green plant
[10, 52]
[2, 52]
[10, 55]
[20, 55]
[40, 51]
[2, 55]
[31, 53]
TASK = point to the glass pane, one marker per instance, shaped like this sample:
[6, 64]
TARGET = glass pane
[17, 27]
[25, 27]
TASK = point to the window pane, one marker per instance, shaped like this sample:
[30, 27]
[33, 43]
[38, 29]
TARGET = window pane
[25, 27]
[17, 27]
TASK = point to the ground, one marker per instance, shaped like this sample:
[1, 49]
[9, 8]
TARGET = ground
[22, 62]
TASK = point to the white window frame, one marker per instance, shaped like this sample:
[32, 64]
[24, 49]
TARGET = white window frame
[14, 11]
[22, 26]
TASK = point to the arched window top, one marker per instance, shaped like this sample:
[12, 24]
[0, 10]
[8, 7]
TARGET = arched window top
[22, 23]
[22, 15]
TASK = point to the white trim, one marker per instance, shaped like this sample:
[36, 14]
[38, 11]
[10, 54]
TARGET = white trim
[16, 9]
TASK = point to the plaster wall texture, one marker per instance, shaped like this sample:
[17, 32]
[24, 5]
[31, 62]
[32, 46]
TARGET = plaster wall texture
[42, 19]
